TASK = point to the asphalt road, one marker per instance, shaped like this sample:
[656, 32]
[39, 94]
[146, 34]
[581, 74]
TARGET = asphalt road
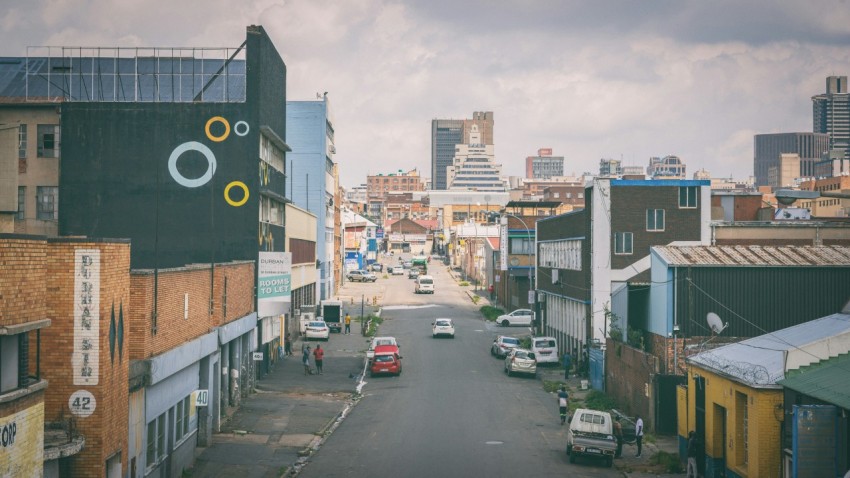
[453, 412]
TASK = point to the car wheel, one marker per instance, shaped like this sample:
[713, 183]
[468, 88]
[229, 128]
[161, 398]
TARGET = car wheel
[609, 462]
[505, 323]
[572, 458]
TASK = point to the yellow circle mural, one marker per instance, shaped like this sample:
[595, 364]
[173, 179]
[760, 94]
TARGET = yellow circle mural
[227, 193]
[217, 119]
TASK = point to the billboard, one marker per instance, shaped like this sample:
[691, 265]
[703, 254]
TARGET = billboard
[274, 283]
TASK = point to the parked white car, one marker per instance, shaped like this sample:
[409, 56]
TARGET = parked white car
[517, 317]
[317, 329]
[424, 285]
[398, 270]
[520, 361]
[502, 345]
[591, 434]
[443, 327]
[545, 349]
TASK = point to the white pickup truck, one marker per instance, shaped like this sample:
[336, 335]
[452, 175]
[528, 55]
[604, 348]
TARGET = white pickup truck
[591, 433]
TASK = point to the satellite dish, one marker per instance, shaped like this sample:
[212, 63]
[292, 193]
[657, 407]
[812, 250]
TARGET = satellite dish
[714, 323]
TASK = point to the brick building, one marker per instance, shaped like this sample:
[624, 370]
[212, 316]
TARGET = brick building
[191, 329]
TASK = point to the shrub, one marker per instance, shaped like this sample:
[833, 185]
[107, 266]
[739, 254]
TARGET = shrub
[490, 312]
[463, 283]
[669, 461]
[597, 400]
[476, 299]
[374, 321]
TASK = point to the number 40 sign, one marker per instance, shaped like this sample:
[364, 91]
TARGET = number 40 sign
[82, 403]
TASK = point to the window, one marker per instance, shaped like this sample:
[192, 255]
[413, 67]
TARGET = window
[623, 243]
[521, 245]
[46, 199]
[271, 154]
[743, 425]
[22, 198]
[156, 441]
[181, 422]
[688, 196]
[655, 219]
[48, 141]
[22, 141]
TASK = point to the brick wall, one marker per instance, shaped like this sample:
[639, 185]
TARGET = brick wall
[629, 379]
[23, 454]
[22, 282]
[105, 430]
[175, 324]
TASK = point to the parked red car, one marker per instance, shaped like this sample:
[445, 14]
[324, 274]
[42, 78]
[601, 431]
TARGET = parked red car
[386, 361]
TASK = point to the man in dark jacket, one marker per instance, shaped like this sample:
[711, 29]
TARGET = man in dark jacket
[692, 455]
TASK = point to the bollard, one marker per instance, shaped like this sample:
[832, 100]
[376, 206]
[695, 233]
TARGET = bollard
[352, 300]
[374, 300]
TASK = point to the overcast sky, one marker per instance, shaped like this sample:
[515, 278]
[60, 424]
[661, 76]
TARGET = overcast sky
[590, 79]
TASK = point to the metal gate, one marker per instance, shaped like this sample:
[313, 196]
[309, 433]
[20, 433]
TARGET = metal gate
[596, 370]
[666, 410]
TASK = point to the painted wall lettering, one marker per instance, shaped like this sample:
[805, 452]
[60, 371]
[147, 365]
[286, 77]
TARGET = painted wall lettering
[85, 360]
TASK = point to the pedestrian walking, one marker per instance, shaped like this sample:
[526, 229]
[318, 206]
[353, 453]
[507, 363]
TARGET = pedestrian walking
[320, 355]
[618, 435]
[568, 363]
[491, 289]
[287, 344]
[563, 403]
[692, 455]
[305, 359]
[347, 324]
[639, 435]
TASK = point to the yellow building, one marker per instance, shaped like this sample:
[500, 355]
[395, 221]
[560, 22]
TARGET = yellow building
[735, 406]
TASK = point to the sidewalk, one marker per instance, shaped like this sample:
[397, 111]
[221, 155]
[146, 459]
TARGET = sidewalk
[289, 415]
[630, 465]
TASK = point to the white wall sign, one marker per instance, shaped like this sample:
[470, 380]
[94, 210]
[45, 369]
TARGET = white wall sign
[503, 247]
[82, 403]
[85, 359]
[257, 356]
[531, 297]
[274, 283]
[202, 398]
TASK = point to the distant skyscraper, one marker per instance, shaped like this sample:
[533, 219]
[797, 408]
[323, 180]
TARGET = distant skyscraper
[669, 167]
[831, 113]
[544, 165]
[769, 147]
[448, 133]
[610, 167]
[474, 168]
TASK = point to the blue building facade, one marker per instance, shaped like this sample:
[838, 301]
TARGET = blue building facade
[310, 135]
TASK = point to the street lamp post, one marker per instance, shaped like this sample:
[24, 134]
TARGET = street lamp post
[530, 259]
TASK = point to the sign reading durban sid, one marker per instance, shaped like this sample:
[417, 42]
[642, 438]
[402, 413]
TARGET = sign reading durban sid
[274, 283]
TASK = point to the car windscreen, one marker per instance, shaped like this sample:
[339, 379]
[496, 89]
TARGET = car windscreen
[510, 341]
[426, 281]
[383, 358]
[544, 343]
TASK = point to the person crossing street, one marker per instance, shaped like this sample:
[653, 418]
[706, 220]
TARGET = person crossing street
[563, 403]
[347, 324]
[305, 359]
[320, 356]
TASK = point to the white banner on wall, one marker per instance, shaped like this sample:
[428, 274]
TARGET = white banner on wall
[85, 359]
[503, 247]
[274, 283]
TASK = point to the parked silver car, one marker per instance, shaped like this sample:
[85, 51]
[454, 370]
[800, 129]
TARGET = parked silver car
[361, 276]
[521, 361]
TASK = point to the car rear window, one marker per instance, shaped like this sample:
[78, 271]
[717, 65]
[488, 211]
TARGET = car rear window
[426, 281]
[383, 358]
[316, 324]
[510, 341]
[544, 343]
[444, 323]
[593, 418]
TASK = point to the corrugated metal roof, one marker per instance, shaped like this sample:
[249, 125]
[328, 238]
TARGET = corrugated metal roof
[764, 256]
[827, 381]
[761, 361]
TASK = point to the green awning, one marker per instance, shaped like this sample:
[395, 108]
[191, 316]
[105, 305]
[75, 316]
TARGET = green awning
[828, 381]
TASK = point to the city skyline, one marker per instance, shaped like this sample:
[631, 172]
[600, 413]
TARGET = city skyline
[693, 80]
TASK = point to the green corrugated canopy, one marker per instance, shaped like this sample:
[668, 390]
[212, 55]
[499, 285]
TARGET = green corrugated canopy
[828, 381]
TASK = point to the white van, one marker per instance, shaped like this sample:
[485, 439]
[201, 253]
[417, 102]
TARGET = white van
[545, 349]
[424, 285]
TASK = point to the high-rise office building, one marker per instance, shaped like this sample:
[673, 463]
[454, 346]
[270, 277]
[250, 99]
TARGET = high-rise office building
[668, 167]
[769, 147]
[473, 167]
[831, 113]
[610, 167]
[544, 165]
[446, 134]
